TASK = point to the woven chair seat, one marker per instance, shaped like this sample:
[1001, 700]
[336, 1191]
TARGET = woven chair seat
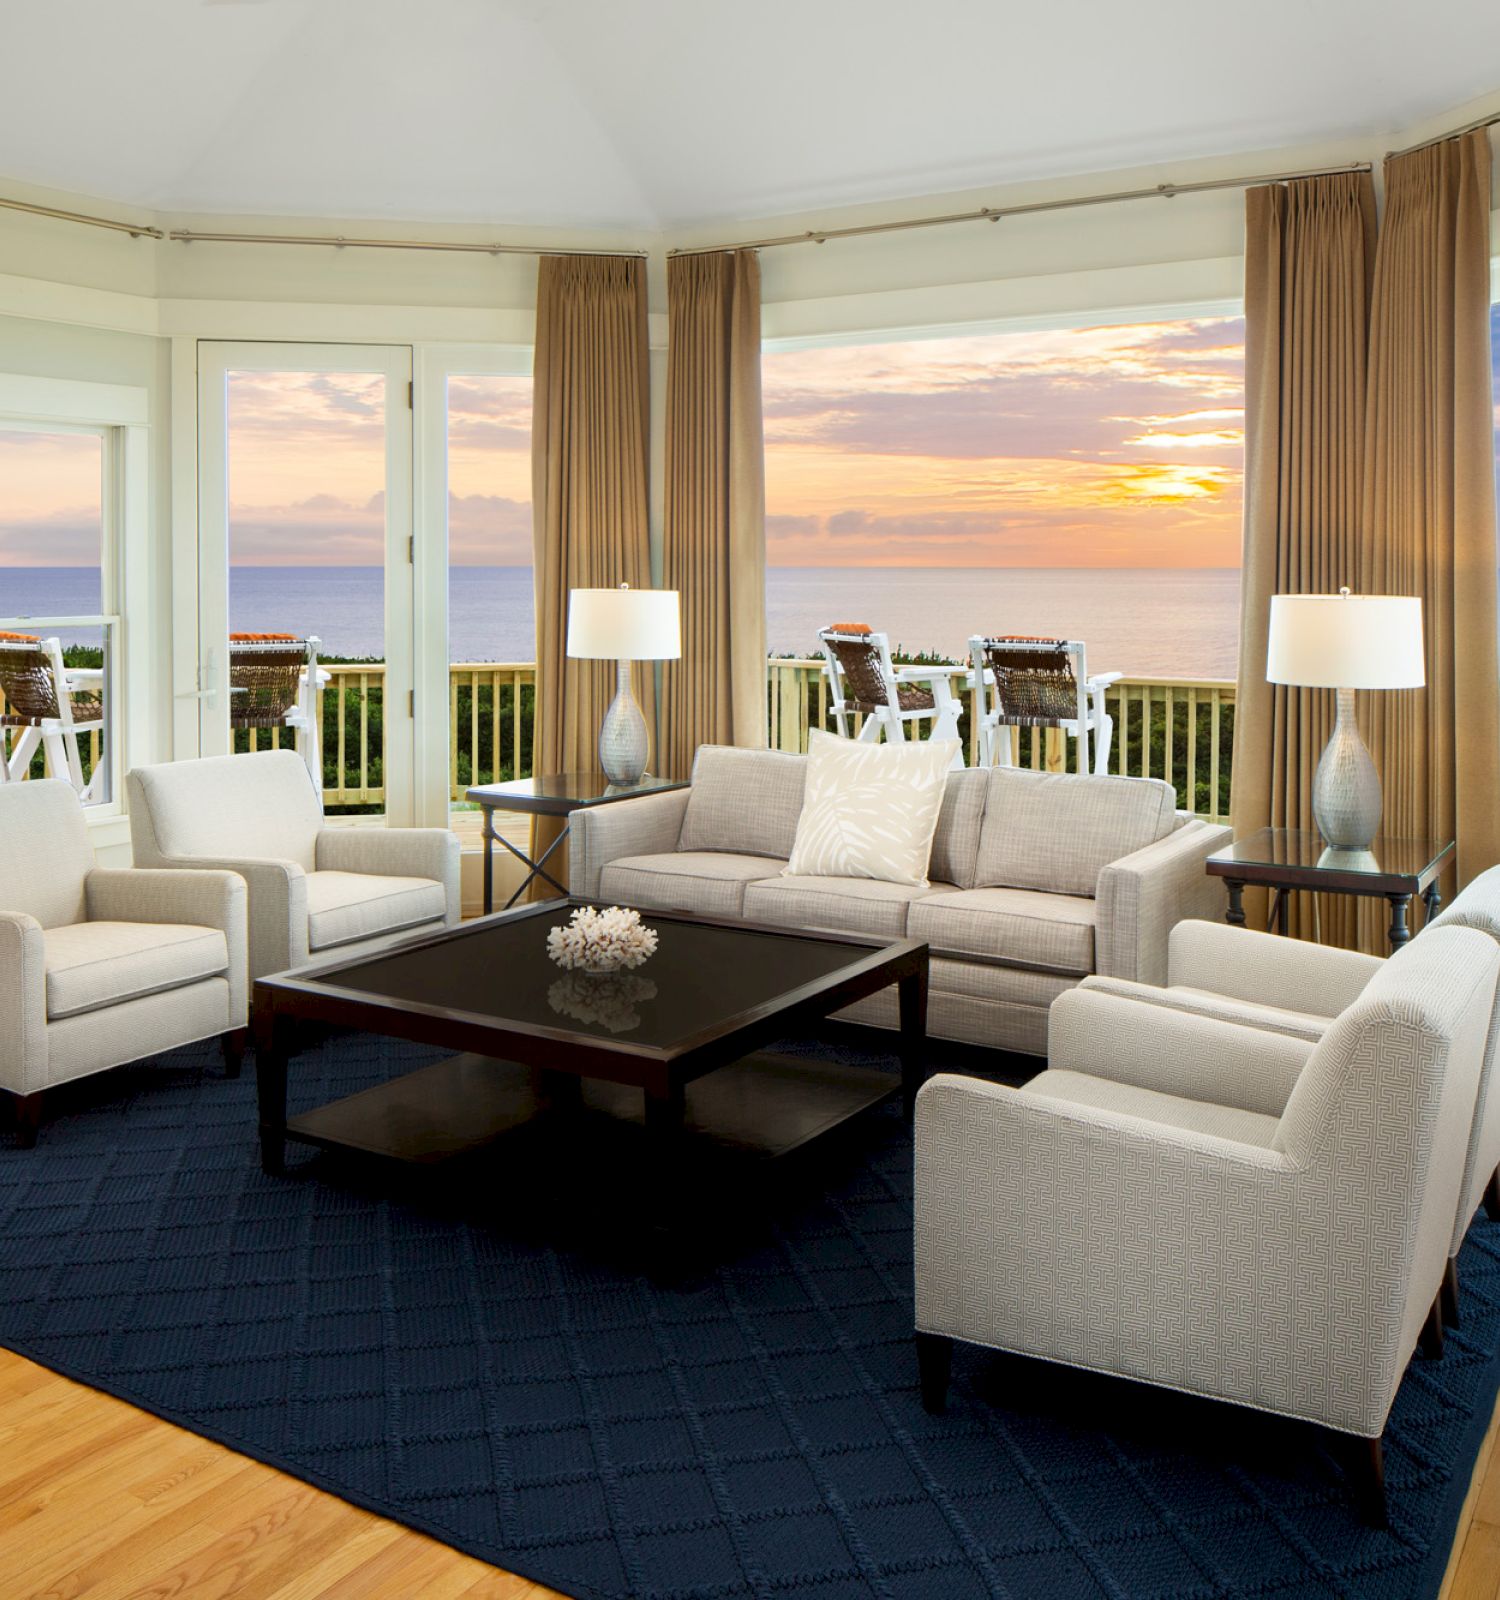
[1034, 688]
[265, 673]
[26, 682]
[908, 699]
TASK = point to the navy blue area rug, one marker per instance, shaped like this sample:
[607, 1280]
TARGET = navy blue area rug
[478, 1360]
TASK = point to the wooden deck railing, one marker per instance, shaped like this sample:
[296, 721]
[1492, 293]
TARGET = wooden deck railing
[1178, 729]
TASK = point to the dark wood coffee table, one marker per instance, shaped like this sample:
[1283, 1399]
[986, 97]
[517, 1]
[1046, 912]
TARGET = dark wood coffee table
[672, 1045]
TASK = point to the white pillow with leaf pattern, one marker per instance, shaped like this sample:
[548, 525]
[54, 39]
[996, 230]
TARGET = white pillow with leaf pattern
[870, 810]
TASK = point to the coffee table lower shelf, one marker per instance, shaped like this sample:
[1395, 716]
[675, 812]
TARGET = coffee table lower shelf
[762, 1106]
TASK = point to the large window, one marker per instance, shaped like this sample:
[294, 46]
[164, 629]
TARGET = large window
[59, 614]
[1080, 482]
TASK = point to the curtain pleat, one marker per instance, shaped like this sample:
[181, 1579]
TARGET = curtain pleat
[1309, 257]
[715, 552]
[1429, 498]
[589, 453]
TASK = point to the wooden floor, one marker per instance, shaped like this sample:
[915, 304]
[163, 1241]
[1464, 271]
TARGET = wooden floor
[99, 1501]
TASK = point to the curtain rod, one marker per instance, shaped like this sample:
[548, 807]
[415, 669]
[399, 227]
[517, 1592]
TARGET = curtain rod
[140, 230]
[1442, 138]
[1162, 191]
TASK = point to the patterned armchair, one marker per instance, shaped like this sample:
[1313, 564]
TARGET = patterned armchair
[99, 967]
[1284, 1252]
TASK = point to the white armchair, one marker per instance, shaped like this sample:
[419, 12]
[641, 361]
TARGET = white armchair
[313, 890]
[1282, 1260]
[101, 967]
[1291, 987]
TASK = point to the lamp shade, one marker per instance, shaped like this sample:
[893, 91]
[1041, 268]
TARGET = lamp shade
[624, 624]
[1346, 641]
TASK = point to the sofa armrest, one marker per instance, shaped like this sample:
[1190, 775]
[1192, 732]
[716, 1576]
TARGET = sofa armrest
[1107, 1035]
[1143, 896]
[648, 826]
[398, 852]
[204, 899]
[1266, 968]
[23, 1004]
[277, 909]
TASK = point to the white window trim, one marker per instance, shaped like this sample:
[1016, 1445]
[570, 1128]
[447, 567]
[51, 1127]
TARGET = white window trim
[435, 364]
[120, 412]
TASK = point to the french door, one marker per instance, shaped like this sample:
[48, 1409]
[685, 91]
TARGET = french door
[305, 530]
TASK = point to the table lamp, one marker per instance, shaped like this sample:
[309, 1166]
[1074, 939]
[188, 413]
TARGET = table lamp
[624, 625]
[1346, 642]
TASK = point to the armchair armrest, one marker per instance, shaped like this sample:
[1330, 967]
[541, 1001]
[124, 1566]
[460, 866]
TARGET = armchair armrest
[277, 909]
[155, 894]
[1142, 896]
[648, 826]
[1174, 1052]
[1267, 969]
[1105, 1241]
[23, 1004]
[398, 852]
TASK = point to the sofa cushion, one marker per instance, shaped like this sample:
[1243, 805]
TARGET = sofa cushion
[90, 965]
[870, 810]
[1151, 1105]
[843, 905]
[345, 906]
[1058, 830]
[744, 801]
[1053, 930]
[955, 842]
[710, 883]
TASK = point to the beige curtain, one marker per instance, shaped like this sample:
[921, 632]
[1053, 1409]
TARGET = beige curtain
[589, 488]
[1429, 497]
[1309, 255]
[715, 546]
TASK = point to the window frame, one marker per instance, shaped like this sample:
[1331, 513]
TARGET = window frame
[119, 415]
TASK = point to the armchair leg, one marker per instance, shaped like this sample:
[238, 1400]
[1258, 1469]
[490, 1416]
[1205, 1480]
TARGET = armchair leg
[1448, 1295]
[1492, 1197]
[935, 1368]
[1364, 1466]
[28, 1112]
[233, 1045]
[1432, 1331]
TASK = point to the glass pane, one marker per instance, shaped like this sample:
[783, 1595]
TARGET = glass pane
[1081, 483]
[491, 629]
[51, 523]
[56, 707]
[307, 560]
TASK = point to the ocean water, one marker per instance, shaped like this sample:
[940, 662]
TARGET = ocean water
[1166, 622]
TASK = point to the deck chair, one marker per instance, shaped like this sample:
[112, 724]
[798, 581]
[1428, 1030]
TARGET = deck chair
[38, 705]
[1039, 683]
[863, 681]
[273, 682]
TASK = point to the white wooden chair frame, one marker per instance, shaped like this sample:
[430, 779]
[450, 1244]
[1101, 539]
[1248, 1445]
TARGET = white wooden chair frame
[58, 737]
[889, 719]
[1093, 725]
[302, 718]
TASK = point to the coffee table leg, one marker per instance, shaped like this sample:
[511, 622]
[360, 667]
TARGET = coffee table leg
[912, 1000]
[665, 1116]
[1236, 912]
[272, 1047]
[1398, 932]
[1432, 902]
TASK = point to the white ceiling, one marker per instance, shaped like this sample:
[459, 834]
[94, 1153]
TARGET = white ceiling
[665, 113]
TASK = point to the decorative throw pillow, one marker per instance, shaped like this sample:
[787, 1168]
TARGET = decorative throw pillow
[870, 810]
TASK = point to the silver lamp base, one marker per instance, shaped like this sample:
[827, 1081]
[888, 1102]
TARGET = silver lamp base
[623, 742]
[1346, 787]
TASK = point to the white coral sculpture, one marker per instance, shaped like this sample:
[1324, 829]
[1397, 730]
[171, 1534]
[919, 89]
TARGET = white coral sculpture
[612, 940]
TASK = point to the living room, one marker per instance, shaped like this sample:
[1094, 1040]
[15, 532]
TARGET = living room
[748, 829]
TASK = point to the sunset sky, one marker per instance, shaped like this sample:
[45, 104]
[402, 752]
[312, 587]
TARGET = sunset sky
[1099, 447]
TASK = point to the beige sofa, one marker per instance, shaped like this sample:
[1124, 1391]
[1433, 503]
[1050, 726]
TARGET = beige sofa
[1037, 880]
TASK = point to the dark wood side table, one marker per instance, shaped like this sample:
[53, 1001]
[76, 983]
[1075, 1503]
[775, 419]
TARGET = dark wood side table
[556, 794]
[1287, 859]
